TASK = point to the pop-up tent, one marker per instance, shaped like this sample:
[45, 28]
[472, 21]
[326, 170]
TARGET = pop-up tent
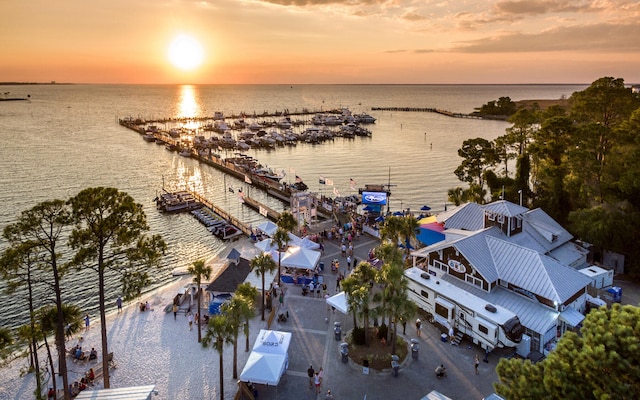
[268, 227]
[339, 302]
[268, 359]
[299, 257]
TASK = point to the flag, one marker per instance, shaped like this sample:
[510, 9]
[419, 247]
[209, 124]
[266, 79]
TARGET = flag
[298, 180]
[231, 188]
[263, 211]
[247, 179]
[335, 191]
[322, 181]
[352, 184]
[329, 182]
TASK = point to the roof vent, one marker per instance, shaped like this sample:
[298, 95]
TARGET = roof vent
[425, 275]
[490, 308]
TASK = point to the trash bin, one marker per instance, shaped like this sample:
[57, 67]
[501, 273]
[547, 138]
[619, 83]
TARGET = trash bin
[337, 329]
[321, 266]
[415, 346]
[344, 351]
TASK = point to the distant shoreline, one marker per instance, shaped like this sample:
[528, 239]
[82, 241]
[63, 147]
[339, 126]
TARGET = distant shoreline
[32, 83]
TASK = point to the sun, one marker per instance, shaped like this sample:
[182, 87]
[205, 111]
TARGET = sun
[185, 52]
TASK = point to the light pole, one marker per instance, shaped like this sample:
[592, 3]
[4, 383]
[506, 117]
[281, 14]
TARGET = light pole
[520, 193]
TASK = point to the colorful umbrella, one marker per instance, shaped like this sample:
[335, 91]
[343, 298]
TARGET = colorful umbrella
[430, 231]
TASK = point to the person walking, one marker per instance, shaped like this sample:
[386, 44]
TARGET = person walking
[418, 327]
[119, 304]
[311, 372]
[281, 298]
[316, 382]
[190, 319]
[476, 362]
[329, 396]
[87, 323]
[175, 311]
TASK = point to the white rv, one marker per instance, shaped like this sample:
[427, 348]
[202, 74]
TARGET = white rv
[487, 324]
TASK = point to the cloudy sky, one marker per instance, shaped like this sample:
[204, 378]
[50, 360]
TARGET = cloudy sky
[319, 41]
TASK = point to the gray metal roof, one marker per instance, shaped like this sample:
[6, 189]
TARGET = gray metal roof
[506, 208]
[468, 216]
[545, 230]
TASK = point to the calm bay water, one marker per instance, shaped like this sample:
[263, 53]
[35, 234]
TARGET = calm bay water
[67, 138]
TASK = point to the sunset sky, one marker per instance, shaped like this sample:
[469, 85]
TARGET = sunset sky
[320, 41]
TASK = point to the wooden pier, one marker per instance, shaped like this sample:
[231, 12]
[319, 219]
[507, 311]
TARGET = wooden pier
[256, 205]
[428, 109]
[222, 213]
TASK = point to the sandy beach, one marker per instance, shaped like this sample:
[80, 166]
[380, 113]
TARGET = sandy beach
[150, 348]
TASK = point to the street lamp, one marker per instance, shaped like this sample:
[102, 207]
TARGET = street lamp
[520, 193]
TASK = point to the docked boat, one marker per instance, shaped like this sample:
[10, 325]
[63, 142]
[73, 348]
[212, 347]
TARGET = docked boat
[149, 137]
[186, 152]
[174, 202]
[364, 118]
[268, 173]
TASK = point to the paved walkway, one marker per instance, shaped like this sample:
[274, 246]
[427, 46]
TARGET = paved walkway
[314, 343]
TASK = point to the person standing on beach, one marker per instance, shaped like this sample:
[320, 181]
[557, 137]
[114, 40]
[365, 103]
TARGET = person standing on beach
[87, 322]
[119, 304]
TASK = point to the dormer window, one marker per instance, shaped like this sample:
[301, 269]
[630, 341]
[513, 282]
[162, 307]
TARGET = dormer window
[491, 216]
[500, 219]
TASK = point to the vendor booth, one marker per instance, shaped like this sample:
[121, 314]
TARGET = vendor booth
[339, 302]
[269, 358]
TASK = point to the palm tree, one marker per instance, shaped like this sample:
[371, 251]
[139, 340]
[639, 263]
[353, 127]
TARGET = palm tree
[391, 229]
[280, 239]
[358, 290]
[218, 333]
[391, 258]
[250, 293]
[286, 223]
[262, 264]
[238, 310]
[200, 271]
[408, 228]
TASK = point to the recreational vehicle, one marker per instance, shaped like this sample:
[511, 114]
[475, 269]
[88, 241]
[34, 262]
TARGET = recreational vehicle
[488, 325]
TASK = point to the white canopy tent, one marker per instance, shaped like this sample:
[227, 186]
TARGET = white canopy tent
[127, 393]
[339, 302]
[268, 227]
[299, 257]
[267, 244]
[268, 359]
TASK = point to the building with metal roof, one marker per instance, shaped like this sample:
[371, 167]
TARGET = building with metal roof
[517, 258]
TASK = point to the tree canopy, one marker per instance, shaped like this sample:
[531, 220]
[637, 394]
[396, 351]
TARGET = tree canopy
[576, 162]
[602, 363]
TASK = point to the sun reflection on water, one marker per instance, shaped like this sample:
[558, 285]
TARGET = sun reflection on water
[188, 106]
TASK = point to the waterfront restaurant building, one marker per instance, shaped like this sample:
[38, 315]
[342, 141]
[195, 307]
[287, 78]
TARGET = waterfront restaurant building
[517, 258]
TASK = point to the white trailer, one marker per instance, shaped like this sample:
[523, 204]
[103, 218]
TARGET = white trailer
[600, 277]
[488, 325]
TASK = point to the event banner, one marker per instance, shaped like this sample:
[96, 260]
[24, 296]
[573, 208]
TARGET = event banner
[374, 198]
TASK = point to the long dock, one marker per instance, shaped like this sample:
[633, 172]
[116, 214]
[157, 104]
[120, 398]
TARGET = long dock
[225, 215]
[429, 109]
[256, 205]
